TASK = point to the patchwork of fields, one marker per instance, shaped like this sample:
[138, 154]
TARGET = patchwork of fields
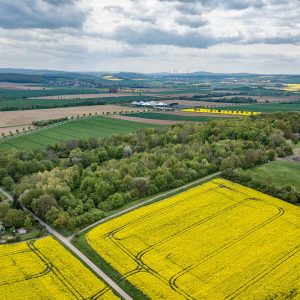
[83, 128]
[219, 240]
[14, 100]
[26, 117]
[44, 269]
[24, 104]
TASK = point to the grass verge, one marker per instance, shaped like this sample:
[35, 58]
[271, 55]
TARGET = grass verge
[280, 173]
[80, 243]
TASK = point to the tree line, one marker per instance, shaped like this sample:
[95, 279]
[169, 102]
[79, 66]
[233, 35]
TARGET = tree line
[75, 183]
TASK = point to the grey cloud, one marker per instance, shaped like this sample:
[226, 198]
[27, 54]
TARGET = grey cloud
[59, 2]
[154, 36]
[295, 40]
[240, 5]
[116, 9]
[188, 9]
[192, 22]
[231, 4]
[43, 14]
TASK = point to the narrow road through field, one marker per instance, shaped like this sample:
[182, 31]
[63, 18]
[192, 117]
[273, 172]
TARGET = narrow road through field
[67, 240]
[71, 247]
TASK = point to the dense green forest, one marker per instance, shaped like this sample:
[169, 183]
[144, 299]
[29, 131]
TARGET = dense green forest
[75, 183]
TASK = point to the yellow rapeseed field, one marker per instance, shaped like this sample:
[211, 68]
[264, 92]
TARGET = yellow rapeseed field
[219, 240]
[292, 87]
[44, 269]
[221, 111]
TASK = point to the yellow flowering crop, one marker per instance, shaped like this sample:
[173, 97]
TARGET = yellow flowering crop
[219, 240]
[44, 269]
[221, 111]
[292, 87]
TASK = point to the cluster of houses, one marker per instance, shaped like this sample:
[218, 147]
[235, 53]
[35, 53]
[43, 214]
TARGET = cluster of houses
[19, 231]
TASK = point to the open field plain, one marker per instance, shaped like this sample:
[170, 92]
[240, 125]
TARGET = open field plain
[26, 117]
[44, 269]
[21, 87]
[271, 99]
[231, 242]
[97, 127]
[171, 116]
[39, 91]
[35, 104]
[266, 107]
[83, 96]
[148, 120]
[277, 172]
[181, 113]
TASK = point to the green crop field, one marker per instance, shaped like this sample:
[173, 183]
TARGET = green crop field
[24, 104]
[277, 172]
[83, 128]
[20, 99]
[19, 94]
[191, 90]
[266, 107]
[158, 116]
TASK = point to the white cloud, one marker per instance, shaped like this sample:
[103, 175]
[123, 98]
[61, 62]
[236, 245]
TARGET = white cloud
[152, 35]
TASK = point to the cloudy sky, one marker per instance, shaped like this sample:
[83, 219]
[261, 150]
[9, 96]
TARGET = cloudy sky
[261, 36]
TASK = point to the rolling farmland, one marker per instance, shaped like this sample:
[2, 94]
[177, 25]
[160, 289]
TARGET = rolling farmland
[44, 269]
[231, 242]
[266, 107]
[83, 128]
[26, 117]
[24, 104]
[42, 98]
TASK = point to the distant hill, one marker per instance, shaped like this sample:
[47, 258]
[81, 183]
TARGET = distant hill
[28, 71]
[42, 76]
[21, 78]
